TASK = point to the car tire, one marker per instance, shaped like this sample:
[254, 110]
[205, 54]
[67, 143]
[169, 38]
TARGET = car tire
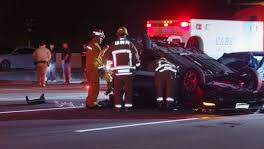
[192, 79]
[192, 91]
[251, 78]
[5, 65]
[196, 44]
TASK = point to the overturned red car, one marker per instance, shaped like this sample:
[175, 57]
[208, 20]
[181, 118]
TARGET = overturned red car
[203, 82]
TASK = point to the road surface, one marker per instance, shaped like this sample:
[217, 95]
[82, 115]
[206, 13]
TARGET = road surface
[68, 127]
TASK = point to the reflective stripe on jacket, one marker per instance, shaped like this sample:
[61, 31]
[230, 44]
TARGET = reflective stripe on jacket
[124, 57]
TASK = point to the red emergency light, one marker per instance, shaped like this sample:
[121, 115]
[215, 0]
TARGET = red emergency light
[185, 24]
[167, 23]
[87, 87]
[148, 25]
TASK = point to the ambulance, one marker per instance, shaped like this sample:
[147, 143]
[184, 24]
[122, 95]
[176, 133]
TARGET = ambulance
[213, 37]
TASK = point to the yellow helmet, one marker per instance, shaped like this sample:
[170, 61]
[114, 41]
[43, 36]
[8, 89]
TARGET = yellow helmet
[122, 31]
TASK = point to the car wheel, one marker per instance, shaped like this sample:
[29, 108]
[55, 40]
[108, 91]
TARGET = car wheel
[251, 79]
[192, 92]
[5, 65]
[192, 79]
[196, 44]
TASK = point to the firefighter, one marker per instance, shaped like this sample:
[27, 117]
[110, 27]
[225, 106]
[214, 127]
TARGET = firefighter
[123, 57]
[93, 62]
[165, 80]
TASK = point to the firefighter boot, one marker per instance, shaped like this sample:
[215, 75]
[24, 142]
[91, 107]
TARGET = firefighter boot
[170, 106]
[159, 104]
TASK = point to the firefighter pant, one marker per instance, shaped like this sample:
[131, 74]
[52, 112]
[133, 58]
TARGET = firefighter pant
[41, 73]
[165, 86]
[93, 91]
[123, 86]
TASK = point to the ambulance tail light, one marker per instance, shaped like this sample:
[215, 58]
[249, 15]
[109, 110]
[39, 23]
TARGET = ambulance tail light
[185, 24]
[149, 25]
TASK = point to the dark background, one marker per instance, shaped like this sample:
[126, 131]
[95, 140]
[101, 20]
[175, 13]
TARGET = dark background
[73, 20]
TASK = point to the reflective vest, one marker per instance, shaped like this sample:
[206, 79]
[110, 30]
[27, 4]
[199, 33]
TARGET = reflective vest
[92, 54]
[123, 56]
[165, 65]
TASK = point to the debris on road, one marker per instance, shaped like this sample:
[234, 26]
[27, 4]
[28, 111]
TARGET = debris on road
[59, 104]
[40, 100]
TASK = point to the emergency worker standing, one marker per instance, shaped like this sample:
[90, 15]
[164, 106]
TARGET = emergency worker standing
[42, 57]
[123, 57]
[165, 80]
[93, 62]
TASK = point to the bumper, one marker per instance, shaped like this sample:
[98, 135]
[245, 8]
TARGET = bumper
[228, 99]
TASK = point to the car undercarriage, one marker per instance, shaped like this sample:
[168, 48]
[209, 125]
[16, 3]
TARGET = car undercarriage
[202, 81]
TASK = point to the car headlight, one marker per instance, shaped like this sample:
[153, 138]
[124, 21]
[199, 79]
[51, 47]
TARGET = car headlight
[209, 104]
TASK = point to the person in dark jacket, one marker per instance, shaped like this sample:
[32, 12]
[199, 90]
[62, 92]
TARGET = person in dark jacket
[66, 62]
[123, 57]
[51, 75]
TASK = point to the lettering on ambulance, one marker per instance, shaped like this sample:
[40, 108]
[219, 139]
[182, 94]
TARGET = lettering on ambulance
[167, 30]
[224, 41]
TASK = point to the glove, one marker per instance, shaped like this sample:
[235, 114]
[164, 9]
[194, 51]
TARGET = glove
[98, 62]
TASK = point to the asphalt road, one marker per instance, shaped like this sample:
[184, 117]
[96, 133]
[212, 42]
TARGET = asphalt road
[13, 93]
[68, 127]
[141, 129]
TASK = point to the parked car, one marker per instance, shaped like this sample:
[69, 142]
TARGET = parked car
[21, 57]
[241, 60]
[203, 81]
[6, 51]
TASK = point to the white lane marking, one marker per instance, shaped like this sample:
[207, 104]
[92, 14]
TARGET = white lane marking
[38, 110]
[135, 125]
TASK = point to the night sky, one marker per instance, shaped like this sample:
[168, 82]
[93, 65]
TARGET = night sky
[73, 20]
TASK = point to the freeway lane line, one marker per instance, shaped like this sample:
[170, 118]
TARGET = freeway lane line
[38, 110]
[135, 125]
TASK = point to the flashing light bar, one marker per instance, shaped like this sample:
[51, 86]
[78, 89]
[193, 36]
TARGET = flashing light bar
[149, 25]
[185, 24]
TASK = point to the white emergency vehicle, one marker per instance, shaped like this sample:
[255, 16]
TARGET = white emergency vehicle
[213, 37]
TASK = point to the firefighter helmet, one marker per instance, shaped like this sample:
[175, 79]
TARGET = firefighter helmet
[122, 31]
[98, 33]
